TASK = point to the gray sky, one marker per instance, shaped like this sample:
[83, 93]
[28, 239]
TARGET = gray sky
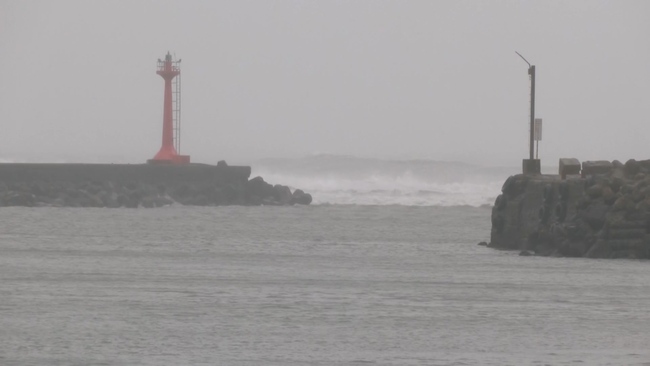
[390, 79]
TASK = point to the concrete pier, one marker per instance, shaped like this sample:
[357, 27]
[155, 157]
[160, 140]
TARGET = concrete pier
[138, 185]
[602, 213]
[146, 173]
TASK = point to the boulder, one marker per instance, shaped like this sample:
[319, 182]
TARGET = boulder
[258, 187]
[594, 215]
[632, 168]
[301, 198]
[623, 204]
[282, 194]
[595, 191]
[609, 197]
[643, 205]
[617, 164]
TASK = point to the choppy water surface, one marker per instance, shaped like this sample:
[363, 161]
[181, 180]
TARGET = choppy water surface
[320, 285]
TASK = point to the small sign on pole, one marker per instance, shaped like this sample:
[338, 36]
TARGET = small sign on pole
[538, 129]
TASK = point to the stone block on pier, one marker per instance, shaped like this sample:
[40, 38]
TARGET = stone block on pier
[569, 166]
[598, 167]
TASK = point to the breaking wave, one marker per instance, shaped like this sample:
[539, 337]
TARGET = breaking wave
[332, 179]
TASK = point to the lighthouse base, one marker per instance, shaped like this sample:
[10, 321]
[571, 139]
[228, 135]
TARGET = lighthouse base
[168, 155]
[176, 159]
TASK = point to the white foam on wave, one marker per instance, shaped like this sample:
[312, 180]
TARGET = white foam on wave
[378, 190]
[348, 181]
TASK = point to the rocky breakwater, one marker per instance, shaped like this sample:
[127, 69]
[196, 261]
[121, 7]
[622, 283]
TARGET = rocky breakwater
[602, 213]
[132, 186]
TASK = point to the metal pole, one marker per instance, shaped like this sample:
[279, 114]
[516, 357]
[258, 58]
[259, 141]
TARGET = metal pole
[531, 71]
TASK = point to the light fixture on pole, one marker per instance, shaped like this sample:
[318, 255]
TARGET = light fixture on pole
[531, 165]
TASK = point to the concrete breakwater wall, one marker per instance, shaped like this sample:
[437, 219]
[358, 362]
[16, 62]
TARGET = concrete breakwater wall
[138, 185]
[603, 213]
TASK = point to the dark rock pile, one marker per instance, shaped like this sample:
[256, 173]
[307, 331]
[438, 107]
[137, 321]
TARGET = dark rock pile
[138, 194]
[603, 214]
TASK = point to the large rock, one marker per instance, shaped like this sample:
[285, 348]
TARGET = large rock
[301, 198]
[282, 194]
[259, 188]
[594, 215]
[631, 168]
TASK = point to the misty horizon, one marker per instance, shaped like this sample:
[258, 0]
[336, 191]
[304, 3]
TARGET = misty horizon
[290, 79]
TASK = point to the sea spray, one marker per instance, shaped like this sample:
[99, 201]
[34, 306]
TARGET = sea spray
[350, 180]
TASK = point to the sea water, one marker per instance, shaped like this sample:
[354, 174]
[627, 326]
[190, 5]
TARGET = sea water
[327, 284]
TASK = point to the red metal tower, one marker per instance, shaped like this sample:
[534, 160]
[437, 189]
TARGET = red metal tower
[169, 152]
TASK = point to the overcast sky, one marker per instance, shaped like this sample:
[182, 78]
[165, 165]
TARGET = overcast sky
[389, 79]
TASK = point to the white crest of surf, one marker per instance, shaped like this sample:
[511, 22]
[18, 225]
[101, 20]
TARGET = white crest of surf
[348, 180]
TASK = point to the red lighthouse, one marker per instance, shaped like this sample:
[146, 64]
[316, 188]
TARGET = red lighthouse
[169, 151]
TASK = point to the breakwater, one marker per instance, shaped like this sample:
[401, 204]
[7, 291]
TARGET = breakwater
[604, 212]
[138, 185]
